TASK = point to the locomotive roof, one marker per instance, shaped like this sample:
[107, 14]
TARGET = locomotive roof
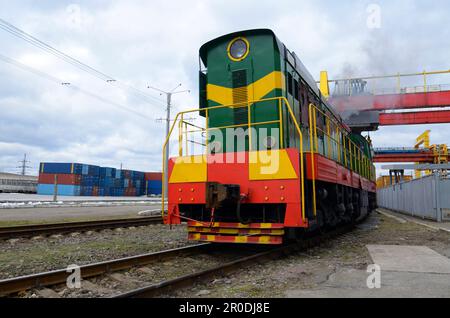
[290, 56]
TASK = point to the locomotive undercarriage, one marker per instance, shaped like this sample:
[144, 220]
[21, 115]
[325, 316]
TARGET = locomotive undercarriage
[337, 205]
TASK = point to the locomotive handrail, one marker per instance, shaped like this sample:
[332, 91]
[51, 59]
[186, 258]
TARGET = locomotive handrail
[359, 162]
[282, 101]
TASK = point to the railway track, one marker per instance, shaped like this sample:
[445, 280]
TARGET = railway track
[59, 228]
[169, 286]
[53, 278]
[222, 265]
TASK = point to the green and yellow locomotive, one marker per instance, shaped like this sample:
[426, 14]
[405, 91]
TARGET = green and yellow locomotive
[275, 160]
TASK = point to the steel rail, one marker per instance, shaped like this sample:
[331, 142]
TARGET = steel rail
[52, 278]
[172, 285]
[58, 228]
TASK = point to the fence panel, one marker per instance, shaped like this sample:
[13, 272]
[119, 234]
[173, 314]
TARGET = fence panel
[422, 198]
[444, 198]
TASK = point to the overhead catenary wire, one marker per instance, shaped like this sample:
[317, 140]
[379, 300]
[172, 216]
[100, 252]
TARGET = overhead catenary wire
[8, 27]
[69, 85]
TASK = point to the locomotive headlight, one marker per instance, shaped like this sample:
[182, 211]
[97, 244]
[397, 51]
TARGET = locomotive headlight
[269, 142]
[238, 49]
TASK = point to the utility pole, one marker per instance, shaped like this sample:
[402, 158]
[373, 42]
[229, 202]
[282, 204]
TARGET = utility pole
[23, 165]
[169, 95]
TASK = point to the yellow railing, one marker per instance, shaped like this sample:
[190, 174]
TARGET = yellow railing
[333, 142]
[283, 108]
[424, 88]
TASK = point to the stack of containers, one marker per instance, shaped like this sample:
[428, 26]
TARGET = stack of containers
[76, 179]
[70, 178]
[153, 182]
[133, 183]
[89, 180]
[107, 181]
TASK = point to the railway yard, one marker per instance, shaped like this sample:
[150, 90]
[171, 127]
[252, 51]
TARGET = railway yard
[140, 257]
[239, 158]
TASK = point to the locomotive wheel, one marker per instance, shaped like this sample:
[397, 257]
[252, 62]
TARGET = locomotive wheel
[320, 221]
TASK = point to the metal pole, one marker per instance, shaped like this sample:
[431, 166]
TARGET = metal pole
[437, 188]
[55, 191]
[24, 163]
[166, 178]
[169, 105]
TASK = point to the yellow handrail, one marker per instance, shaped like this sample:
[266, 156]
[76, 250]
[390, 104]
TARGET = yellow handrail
[312, 151]
[359, 162]
[282, 101]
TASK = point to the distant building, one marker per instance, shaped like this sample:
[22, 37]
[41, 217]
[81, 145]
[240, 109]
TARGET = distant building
[15, 183]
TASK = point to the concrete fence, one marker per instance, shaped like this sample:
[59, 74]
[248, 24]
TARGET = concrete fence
[427, 198]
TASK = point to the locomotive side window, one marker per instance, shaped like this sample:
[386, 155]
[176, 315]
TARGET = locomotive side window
[296, 88]
[290, 83]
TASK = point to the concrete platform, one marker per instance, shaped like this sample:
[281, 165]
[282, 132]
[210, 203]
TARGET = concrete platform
[406, 272]
[415, 259]
[351, 283]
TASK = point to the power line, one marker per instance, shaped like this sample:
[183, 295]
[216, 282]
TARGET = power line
[23, 167]
[8, 27]
[70, 85]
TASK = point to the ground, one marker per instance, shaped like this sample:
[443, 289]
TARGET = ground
[28, 256]
[19, 197]
[19, 216]
[338, 268]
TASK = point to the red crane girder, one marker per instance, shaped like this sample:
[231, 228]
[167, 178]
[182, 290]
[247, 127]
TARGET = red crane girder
[392, 101]
[425, 157]
[415, 118]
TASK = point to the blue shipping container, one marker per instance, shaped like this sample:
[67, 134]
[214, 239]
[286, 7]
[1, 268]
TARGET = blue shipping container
[94, 170]
[107, 172]
[61, 168]
[85, 170]
[64, 190]
[154, 187]
[86, 191]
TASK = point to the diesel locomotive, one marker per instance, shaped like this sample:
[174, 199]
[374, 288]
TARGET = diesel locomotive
[273, 159]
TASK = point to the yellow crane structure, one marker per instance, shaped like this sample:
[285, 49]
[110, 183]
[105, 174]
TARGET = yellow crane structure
[423, 139]
[440, 152]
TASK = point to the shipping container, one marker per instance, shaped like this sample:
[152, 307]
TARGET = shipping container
[107, 172]
[68, 179]
[153, 176]
[61, 168]
[63, 190]
[86, 191]
[89, 181]
[130, 192]
[94, 170]
[154, 187]
[100, 181]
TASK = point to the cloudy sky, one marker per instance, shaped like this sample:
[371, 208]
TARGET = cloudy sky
[156, 43]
